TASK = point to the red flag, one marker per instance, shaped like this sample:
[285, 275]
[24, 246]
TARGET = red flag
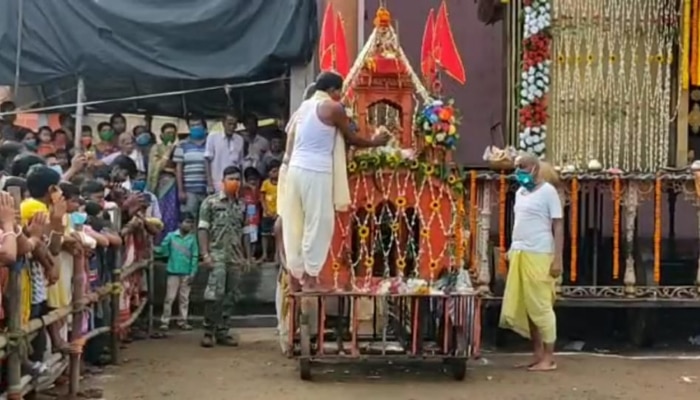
[326, 43]
[342, 62]
[446, 53]
[427, 56]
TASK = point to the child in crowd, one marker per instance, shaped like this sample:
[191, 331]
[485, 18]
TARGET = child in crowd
[268, 193]
[274, 155]
[250, 194]
[86, 139]
[45, 145]
[182, 250]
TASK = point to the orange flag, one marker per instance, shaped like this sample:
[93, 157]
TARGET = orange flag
[446, 52]
[427, 54]
[326, 42]
[342, 61]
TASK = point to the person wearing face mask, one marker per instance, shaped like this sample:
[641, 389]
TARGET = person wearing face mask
[220, 231]
[107, 144]
[144, 141]
[30, 141]
[316, 181]
[535, 262]
[191, 167]
[161, 178]
[223, 151]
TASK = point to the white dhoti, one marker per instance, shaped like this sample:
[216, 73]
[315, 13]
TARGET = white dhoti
[308, 220]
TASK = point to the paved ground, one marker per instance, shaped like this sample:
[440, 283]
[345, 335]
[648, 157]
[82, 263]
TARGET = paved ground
[178, 369]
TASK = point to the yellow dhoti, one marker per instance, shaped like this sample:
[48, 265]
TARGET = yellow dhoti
[529, 294]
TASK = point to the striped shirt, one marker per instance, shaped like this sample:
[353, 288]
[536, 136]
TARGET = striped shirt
[194, 173]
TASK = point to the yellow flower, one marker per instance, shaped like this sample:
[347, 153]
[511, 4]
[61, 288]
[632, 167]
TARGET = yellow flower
[429, 139]
[613, 58]
[429, 169]
[451, 179]
[435, 205]
[401, 263]
[401, 202]
[369, 207]
[414, 164]
[352, 166]
[560, 59]
[363, 165]
[363, 232]
[425, 232]
[395, 227]
[659, 58]
[369, 262]
[336, 266]
[452, 130]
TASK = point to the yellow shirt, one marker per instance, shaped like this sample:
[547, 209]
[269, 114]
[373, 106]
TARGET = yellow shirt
[30, 207]
[269, 192]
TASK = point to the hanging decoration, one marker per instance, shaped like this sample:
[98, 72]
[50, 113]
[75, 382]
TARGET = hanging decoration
[573, 275]
[473, 212]
[342, 58]
[685, 44]
[694, 27]
[658, 184]
[437, 123]
[502, 196]
[612, 96]
[535, 78]
[427, 54]
[445, 48]
[617, 201]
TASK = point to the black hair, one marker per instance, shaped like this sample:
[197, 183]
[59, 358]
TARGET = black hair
[86, 128]
[102, 172]
[8, 151]
[23, 162]
[196, 118]
[14, 181]
[40, 179]
[115, 117]
[231, 169]
[274, 164]
[186, 216]
[133, 130]
[57, 131]
[45, 128]
[92, 208]
[167, 126]
[92, 187]
[102, 125]
[6, 106]
[310, 90]
[251, 173]
[127, 164]
[250, 118]
[70, 191]
[50, 155]
[327, 81]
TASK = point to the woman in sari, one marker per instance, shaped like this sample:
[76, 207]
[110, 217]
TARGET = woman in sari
[161, 179]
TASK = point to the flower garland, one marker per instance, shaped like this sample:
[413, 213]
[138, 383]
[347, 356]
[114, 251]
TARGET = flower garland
[574, 230]
[473, 207]
[437, 122]
[502, 192]
[685, 45]
[535, 76]
[617, 196]
[657, 230]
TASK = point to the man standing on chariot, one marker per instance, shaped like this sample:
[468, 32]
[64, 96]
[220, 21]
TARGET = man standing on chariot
[535, 262]
[311, 181]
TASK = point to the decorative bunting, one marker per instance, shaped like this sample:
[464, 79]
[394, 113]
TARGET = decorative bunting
[446, 52]
[427, 55]
[342, 60]
[326, 42]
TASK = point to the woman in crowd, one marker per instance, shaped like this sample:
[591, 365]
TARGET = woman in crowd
[161, 178]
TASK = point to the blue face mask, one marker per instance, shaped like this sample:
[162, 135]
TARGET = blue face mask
[30, 144]
[198, 133]
[525, 179]
[78, 218]
[143, 139]
[57, 168]
[138, 185]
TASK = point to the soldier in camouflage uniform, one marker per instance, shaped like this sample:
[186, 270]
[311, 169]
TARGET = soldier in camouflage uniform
[221, 220]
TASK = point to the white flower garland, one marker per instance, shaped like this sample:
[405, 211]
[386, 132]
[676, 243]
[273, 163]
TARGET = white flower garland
[535, 79]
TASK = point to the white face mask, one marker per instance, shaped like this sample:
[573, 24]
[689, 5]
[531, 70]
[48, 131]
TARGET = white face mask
[126, 184]
[57, 168]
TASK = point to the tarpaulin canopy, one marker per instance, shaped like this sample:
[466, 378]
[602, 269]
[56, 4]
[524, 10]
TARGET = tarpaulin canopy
[129, 47]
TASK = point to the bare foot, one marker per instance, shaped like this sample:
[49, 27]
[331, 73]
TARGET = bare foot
[543, 366]
[528, 364]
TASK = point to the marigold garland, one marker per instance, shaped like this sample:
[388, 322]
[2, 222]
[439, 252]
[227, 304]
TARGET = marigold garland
[502, 191]
[657, 230]
[574, 230]
[617, 195]
[459, 237]
[694, 36]
[472, 220]
[685, 45]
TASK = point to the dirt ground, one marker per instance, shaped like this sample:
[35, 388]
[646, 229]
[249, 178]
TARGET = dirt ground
[177, 369]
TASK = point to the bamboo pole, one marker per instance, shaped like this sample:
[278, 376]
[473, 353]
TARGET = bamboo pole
[14, 361]
[78, 313]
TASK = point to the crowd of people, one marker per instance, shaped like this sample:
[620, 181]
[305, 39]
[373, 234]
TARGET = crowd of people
[206, 200]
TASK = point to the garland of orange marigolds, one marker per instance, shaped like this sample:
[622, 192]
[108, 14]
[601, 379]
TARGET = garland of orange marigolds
[574, 230]
[685, 45]
[616, 226]
[502, 192]
[694, 27]
[657, 230]
[472, 220]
